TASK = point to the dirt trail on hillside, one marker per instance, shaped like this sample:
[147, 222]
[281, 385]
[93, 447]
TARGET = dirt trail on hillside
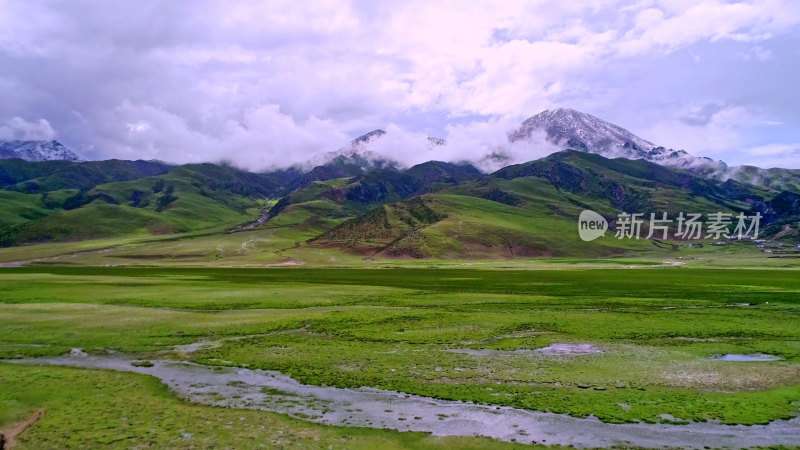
[8, 439]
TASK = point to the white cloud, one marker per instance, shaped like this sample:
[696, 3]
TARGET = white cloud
[469, 142]
[675, 24]
[17, 128]
[704, 133]
[265, 83]
[264, 138]
[474, 141]
[773, 155]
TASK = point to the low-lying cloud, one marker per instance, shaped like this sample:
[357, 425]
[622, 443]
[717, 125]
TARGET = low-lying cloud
[17, 128]
[484, 144]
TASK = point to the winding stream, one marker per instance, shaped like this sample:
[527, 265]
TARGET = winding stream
[376, 408]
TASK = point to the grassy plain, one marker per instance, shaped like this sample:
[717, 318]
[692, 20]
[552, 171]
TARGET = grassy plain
[658, 327]
[283, 242]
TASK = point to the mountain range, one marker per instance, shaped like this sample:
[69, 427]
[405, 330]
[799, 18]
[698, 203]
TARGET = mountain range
[359, 202]
[563, 128]
[566, 128]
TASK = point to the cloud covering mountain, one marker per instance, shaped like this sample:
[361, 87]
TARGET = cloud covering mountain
[265, 84]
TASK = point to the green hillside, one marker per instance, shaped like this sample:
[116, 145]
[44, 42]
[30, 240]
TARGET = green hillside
[346, 196]
[46, 176]
[531, 210]
[188, 198]
[465, 227]
[17, 208]
[434, 210]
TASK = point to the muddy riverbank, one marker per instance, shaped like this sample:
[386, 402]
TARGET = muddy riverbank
[376, 408]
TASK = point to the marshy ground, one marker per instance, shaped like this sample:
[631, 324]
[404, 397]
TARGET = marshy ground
[644, 347]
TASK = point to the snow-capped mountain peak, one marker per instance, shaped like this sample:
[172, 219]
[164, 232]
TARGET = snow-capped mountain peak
[37, 151]
[372, 136]
[568, 128]
[573, 129]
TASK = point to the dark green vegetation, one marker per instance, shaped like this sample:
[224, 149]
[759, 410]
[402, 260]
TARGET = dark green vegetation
[77, 201]
[47, 176]
[433, 210]
[659, 329]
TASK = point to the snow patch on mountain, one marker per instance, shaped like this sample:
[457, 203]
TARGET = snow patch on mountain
[37, 151]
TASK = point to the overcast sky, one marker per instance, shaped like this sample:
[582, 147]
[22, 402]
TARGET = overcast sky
[263, 83]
